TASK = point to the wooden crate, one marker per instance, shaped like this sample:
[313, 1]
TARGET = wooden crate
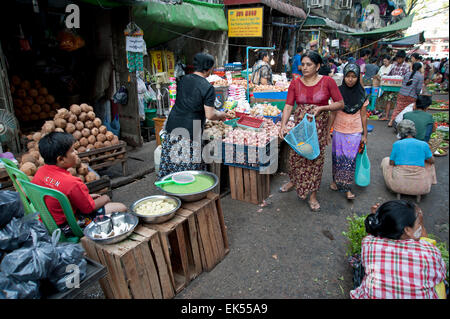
[249, 185]
[211, 230]
[181, 249]
[137, 268]
[100, 186]
[5, 180]
[98, 158]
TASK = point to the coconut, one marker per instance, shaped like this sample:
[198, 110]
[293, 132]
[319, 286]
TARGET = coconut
[63, 113]
[77, 135]
[43, 115]
[52, 114]
[94, 131]
[43, 91]
[84, 141]
[31, 145]
[41, 161]
[75, 109]
[72, 118]
[27, 157]
[72, 171]
[109, 136]
[79, 125]
[106, 143]
[36, 108]
[15, 80]
[76, 145]
[90, 177]
[35, 154]
[97, 122]
[21, 93]
[26, 110]
[90, 147]
[61, 123]
[40, 100]
[37, 84]
[25, 85]
[34, 117]
[83, 117]
[89, 124]
[91, 115]
[70, 128]
[28, 101]
[18, 103]
[115, 140]
[46, 108]
[84, 107]
[86, 132]
[103, 129]
[98, 144]
[60, 130]
[91, 139]
[81, 149]
[33, 92]
[101, 137]
[50, 99]
[37, 136]
[28, 168]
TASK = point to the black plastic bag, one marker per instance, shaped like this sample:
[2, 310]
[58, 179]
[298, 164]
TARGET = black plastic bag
[18, 233]
[71, 255]
[10, 206]
[30, 263]
[11, 288]
[121, 96]
[14, 235]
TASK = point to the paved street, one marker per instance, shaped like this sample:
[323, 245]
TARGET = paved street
[282, 251]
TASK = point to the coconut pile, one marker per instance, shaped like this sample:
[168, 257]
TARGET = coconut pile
[85, 127]
[31, 100]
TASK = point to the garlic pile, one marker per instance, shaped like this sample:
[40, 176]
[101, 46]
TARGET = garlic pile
[216, 130]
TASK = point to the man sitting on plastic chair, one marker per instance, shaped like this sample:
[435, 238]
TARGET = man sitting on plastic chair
[57, 150]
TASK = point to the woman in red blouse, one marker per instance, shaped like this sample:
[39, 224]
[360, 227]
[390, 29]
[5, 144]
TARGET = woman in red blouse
[312, 94]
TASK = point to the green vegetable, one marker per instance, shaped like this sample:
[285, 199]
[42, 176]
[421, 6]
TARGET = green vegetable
[356, 232]
[442, 246]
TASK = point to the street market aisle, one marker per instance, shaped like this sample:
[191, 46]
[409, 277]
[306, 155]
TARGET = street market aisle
[286, 251]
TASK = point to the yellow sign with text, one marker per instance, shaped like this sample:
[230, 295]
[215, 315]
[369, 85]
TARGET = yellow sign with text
[157, 60]
[169, 62]
[245, 23]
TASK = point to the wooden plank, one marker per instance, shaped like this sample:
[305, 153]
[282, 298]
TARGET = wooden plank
[254, 187]
[222, 225]
[247, 185]
[121, 144]
[215, 231]
[134, 279]
[211, 237]
[116, 278]
[163, 268]
[239, 183]
[233, 187]
[205, 239]
[193, 239]
[141, 267]
[182, 247]
[92, 253]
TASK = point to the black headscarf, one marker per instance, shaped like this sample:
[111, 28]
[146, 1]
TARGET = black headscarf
[354, 97]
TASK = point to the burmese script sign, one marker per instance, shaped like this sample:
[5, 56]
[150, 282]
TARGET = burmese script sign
[243, 23]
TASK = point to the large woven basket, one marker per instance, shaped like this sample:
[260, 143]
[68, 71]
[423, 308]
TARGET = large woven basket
[435, 142]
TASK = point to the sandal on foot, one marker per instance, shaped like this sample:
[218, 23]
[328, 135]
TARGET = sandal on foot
[314, 207]
[281, 190]
[350, 197]
[333, 187]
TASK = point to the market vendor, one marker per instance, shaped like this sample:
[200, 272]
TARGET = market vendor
[311, 92]
[410, 168]
[399, 262]
[297, 64]
[181, 139]
[261, 70]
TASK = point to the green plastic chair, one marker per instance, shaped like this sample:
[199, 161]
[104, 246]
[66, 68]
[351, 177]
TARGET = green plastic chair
[14, 172]
[37, 193]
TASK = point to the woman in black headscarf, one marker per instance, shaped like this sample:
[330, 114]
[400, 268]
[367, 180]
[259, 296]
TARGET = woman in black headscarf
[182, 138]
[349, 130]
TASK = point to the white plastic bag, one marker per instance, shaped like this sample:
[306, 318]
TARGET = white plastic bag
[407, 109]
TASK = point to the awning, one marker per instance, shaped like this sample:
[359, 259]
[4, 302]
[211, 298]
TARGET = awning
[278, 5]
[392, 28]
[408, 41]
[419, 51]
[162, 22]
[313, 21]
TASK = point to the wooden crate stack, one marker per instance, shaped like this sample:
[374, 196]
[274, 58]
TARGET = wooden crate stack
[106, 157]
[249, 185]
[159, 260]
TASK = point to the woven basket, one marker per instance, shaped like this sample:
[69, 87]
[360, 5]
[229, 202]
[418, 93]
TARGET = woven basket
[435, 142]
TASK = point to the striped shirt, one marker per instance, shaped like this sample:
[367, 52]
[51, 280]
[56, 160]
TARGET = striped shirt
[399, 269]
[400, 69]
[416, 86]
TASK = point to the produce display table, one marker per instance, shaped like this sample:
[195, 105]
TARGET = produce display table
[106, 157]
[275, 98]
[387, 88]
[157, 261]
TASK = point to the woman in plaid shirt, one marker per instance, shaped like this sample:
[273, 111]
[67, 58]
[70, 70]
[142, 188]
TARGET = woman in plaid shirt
[398, 265]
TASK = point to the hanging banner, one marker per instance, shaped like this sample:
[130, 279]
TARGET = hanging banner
[157, 60]
[245, 23]
[335, 43]
[169, 61]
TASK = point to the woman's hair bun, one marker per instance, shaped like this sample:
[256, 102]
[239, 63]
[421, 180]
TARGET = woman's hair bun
[372, 224]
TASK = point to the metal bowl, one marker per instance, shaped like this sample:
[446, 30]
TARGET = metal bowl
[160, 218]
[192, 197]
[93, 229]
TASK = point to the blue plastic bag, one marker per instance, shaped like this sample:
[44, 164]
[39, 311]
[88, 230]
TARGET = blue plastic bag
[113, 126]
[303, 138]
[362, 170]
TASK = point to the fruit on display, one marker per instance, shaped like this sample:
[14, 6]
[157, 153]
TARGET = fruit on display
[265, 109]
[86, 139]
[32, 101]
[216, 130]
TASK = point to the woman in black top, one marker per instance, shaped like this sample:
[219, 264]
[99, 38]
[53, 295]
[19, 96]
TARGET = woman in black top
[181, 141]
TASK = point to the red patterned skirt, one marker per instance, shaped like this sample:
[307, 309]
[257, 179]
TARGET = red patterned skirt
[304, 173]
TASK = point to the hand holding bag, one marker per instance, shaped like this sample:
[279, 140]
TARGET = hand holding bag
[362, 171]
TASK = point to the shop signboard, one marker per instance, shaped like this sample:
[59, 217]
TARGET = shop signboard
[169, 60]
[335, 43]
[157, 60]
[245, 23]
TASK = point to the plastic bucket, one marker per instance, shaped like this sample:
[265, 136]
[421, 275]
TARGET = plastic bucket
[149, 115]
